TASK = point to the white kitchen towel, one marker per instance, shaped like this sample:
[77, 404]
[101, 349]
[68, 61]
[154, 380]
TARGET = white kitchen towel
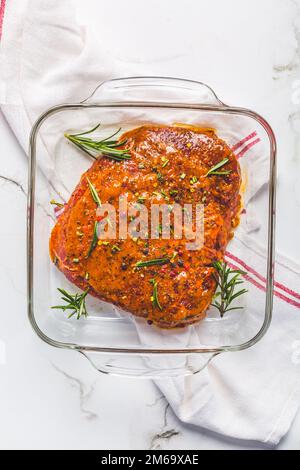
[47, 58]
[253, 394]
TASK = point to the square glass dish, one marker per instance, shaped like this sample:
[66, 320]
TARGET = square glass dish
[112, 340]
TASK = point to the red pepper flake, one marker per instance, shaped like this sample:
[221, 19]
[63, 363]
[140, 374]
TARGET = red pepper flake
[100, 217]
[187, 267]
[58, 208]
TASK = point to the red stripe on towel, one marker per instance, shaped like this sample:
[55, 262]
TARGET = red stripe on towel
[261, 278]
[2, 10]
[248, 147]
[259, 286]
[243, 141]
[287, 290]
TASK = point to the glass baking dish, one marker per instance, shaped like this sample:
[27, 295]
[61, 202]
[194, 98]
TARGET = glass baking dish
[112, 340]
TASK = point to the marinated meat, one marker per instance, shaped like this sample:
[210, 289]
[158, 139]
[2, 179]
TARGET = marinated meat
[168, 164]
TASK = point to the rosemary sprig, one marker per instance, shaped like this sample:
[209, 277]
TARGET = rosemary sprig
[74, 302]
[94, 240]
[152, 262]
[214, 169]
[154, 297]
[108, 146]
[227, 279]
[94, 193]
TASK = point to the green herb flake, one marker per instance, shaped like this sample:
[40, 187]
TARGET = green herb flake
[94, 240]
[214, 169]
[160, 177]
[166, 197]
[154, 297]
[55, 203]
[152, 262]
[141, 200]
[94, 193]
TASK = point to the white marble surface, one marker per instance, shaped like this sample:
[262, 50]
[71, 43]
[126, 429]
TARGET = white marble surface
[249, 52]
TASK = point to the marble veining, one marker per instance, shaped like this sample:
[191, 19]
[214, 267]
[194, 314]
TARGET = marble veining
[84, 392]
[14, 182]
[167, 432]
